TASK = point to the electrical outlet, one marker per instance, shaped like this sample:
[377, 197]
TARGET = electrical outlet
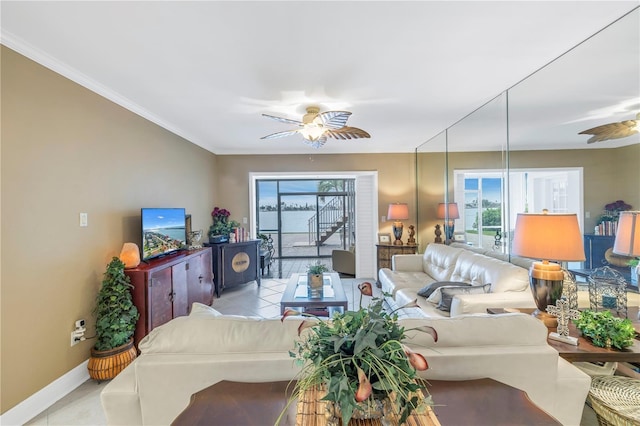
[84, 219]
[75, 339]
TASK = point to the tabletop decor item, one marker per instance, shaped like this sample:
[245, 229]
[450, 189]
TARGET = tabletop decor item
[222, 225]
[315, 280]
[358, 361]
[605, 330]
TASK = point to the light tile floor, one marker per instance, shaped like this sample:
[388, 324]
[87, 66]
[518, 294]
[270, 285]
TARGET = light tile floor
[82, 406]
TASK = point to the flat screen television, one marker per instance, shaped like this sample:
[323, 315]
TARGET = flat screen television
[163, 231]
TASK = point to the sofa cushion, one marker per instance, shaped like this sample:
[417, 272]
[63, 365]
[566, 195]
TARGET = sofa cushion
[439, 261]
[479, 269]
[428, 289]
[200, 309]
[450, 291]
[222, 334]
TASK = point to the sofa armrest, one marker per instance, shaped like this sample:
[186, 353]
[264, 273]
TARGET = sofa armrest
[120, 399]
[478, 303]
[407, 263]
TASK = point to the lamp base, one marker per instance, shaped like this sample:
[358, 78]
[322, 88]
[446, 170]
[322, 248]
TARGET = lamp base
[397, 232]
[546, 281]
[547, 319]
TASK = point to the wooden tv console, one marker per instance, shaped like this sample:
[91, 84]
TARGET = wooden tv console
[165, 288]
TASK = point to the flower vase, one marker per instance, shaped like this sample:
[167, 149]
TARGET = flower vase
[370, 409]
[315, 286]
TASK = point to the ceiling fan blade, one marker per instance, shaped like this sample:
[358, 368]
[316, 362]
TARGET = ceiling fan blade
[280, 134]
[334, 119]
[347, 133]
[611, 131]
[283, 120]
[316, 143]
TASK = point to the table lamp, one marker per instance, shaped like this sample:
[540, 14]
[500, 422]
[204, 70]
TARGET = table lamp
[398, 212]
[130, 255]
[449, 212]
[627, 241]
[548, 237]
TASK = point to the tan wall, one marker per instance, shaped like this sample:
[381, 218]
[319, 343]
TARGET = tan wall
[609, 174]
[396, 177]
[66, 150]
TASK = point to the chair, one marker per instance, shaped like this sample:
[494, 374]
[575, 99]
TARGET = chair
[344, 262]
[266, 253]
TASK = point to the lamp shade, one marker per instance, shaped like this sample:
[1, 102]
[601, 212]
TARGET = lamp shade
[628, 234]
[548, 236]
[398, 211]
[448, 211]
[130, 255]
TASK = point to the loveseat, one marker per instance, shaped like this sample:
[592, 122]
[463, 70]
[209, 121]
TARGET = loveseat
[190, 353]
[455, 280]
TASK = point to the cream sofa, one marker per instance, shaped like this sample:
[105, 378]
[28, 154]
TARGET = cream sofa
[453, 265]
[190, 353]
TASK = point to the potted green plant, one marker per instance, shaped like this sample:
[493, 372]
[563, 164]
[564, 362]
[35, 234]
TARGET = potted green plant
[605, 330]
[359, 365]
[116, 318]
[315, 280]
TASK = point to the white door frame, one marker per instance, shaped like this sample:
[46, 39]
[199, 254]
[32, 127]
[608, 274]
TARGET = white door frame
[366, 210]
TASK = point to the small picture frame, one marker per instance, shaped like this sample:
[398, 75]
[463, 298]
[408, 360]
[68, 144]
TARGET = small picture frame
[384, 238]
[459, 237]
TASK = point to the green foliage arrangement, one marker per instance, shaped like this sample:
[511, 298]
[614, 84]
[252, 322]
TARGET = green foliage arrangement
[317, 268]
[605, 330]
[358, 357]
[116, 315]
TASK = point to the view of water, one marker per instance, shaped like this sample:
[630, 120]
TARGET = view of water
[292, 221]
[175, 233]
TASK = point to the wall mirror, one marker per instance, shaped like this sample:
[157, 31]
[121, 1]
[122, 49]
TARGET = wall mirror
[522, 151]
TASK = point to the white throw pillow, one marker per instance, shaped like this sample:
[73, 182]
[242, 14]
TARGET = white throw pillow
[202, 310]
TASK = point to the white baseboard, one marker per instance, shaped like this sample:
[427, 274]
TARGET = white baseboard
[45, 397]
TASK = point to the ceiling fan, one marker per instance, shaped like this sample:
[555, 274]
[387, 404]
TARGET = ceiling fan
[316, 126]
[609, 131]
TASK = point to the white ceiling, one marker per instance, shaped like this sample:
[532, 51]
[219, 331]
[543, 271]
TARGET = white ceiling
[207, 70]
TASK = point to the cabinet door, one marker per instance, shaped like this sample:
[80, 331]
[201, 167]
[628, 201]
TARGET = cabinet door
[179, 293]
[160, 306]
[240, 263]
[199, 279]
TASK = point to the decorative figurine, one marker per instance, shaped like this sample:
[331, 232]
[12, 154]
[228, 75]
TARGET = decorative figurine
[438, 234]
[564, 314]
[411, 241]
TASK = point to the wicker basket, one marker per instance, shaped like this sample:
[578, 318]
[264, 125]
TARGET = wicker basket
[615, 400]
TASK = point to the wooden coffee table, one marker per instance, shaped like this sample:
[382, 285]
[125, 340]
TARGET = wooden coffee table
[585, 351]
[296, 299]
[466, 402]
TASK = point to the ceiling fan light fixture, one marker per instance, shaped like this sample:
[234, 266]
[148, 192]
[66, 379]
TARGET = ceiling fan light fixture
[312, 131]
[317, 126]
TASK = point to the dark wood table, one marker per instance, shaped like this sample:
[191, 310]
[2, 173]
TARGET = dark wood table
[469, 402]
[585, 351]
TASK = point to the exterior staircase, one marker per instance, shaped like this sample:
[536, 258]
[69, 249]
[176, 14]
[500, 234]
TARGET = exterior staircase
[337, 215]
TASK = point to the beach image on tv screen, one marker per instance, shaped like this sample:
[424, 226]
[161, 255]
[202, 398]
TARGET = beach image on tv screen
[163, 231]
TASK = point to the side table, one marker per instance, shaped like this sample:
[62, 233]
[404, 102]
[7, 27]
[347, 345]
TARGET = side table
[386, 252]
